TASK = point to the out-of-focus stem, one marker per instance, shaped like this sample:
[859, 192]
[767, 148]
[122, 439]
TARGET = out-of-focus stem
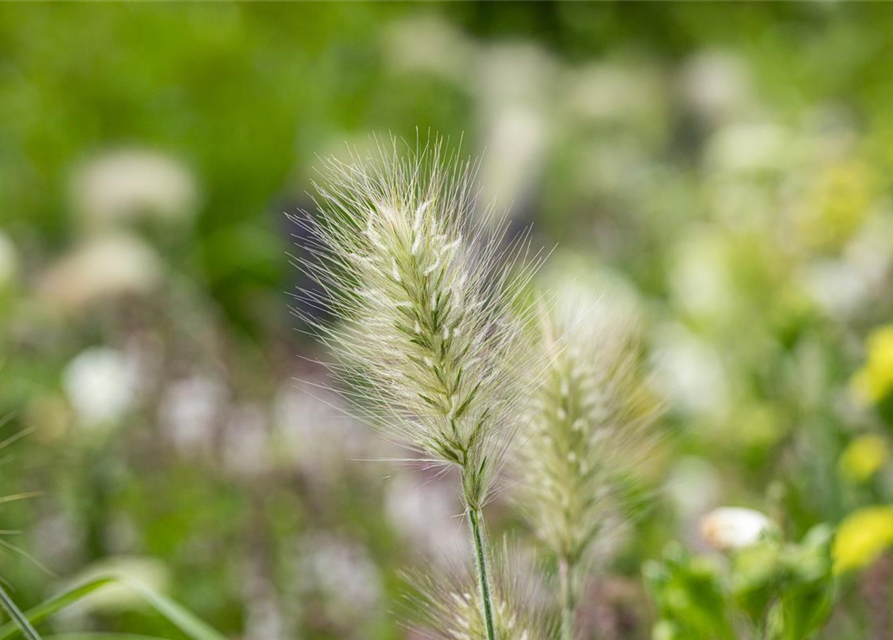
[568, 604]
[475, 518]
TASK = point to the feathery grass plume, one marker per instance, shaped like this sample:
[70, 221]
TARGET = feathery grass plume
[427, 343]
[590, 436]
[450, 604]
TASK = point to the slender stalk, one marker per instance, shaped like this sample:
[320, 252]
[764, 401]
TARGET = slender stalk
[568, 604]
[17, 616]
[475, 518]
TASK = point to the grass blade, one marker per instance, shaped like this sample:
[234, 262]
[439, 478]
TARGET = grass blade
[47, 608]
[19, 620]
[176, 614]
[171, 610]
[99, 635]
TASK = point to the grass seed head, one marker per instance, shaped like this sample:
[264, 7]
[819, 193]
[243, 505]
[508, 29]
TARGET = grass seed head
[590, 429]
[427, 343]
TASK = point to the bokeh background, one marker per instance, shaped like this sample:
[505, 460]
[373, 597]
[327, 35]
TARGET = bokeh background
[728, 167]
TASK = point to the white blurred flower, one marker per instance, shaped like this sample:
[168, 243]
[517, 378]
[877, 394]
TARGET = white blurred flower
[9, 261]
[127, 185]
[345, 576]
[747, 148]
[831, 133]
[699, 278]
[189, 410]
[513, 91]
[870, 251]
[716, 85]
[246, 440]
[106, 266]
[612, 93]
[845, 286]
[265, 617]
[837, 287]
[513, 162]
[514, 74]
[742, 204]
[430, 45]
[101, 385]
[731, 528]
[426, 514]
[618, 164]
[690, 371]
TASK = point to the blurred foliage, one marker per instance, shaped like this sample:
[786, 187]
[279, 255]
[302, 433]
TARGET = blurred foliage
[727, 166]
[771, 589]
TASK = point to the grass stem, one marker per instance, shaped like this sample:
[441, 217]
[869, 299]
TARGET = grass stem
[475, 518]
[568, 604]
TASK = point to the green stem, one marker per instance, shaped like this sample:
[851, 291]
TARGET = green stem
[17, 616]
[568, 614]
[475, 517]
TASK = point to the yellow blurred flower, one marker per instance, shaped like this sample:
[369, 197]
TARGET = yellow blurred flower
[863, 458]
[875, 379]
[838, 203]
[862, 537]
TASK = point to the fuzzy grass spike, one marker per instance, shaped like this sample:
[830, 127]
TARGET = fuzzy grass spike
[427, 341]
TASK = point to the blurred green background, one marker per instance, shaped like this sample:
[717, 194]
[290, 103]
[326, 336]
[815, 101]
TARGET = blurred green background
[728, 166]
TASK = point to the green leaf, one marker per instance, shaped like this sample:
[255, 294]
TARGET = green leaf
[690, 596]
[806, 608]
[174, 612]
